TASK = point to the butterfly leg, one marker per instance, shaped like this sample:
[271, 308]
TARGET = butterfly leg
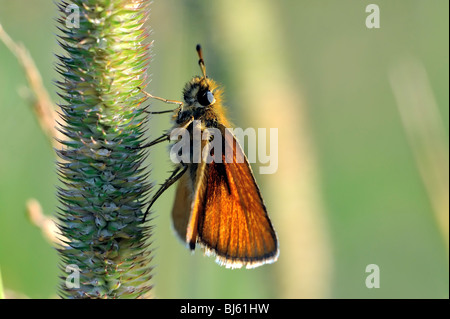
[161, 99]
[176, 174]
[162, 138]
[180, 104]
[162, 112]
[166, 136]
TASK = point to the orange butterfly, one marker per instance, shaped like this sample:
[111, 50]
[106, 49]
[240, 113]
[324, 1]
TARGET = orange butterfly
[217, 204]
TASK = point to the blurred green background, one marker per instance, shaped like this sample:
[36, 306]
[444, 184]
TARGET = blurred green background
[351, 187]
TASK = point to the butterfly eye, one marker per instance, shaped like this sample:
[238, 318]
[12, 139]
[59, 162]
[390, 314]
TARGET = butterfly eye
[205, 98]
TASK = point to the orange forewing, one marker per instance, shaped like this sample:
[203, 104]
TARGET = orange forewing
[226, 214]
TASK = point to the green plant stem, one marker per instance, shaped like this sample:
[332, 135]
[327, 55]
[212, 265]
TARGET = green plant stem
[100, 163]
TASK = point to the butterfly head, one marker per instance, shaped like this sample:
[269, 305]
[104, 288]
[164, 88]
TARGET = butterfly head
[202, 97]
[201, 91]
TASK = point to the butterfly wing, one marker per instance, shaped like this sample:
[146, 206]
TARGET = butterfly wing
[219, 206]
[182, 206]
[188, 203]
[232, 222]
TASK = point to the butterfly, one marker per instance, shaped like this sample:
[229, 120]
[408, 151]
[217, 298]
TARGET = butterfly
[218, 205]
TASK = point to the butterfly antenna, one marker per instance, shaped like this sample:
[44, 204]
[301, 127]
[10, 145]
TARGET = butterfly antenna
[201, 62]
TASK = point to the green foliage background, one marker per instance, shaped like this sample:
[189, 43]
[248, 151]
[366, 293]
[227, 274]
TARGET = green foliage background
[375, 204]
